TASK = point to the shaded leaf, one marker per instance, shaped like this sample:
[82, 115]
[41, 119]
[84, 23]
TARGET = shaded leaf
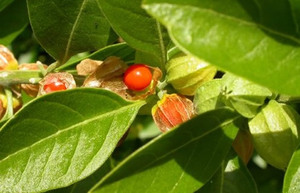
[181, 160]
[54, 141]
[252, 39]
[65, 28]
[13, 19]
[84, 185]
[139, 30]
[5, 3]
[232, 177]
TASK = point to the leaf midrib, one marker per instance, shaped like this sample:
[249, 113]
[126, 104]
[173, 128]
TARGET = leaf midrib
[119, 110]
[211, 11]
[165, 155]
[72, 32]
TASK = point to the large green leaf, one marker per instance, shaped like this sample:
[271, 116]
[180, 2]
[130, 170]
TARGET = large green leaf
[182, 160]
[65, 28]
[13, 20]
[61, 138]
[292, 175]
[232, 177]
[137, 28]
[257, 40]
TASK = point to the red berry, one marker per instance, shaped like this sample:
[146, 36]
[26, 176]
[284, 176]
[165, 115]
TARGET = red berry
[137, 77]
[54, 85]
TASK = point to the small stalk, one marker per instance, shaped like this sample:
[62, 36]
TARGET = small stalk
[288, 99]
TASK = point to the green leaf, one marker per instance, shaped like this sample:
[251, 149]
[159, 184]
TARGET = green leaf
[121, 50]
[5, 3]
[54, 141]
[292, 176]
[13, 19]
[181, 160]
[65, 28]
[232, 177]
[137, 28]
[257, 40]
[208, 96]
[84, 185]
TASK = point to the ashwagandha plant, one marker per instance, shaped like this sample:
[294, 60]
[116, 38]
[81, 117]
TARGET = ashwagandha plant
[149, 96]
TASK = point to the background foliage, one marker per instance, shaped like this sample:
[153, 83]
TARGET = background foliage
[67, 141]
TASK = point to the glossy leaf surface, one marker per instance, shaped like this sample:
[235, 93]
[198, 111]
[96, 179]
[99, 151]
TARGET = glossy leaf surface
[181, 160]
[137, 28]
[55, 141]
[82, 27]
[252, 39]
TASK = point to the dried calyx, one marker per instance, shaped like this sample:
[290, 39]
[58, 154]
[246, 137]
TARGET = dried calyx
[56, 82]
[109, 75]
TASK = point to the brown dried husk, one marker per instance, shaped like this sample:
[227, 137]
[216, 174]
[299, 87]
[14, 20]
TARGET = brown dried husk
[65, 77]
[109, 75]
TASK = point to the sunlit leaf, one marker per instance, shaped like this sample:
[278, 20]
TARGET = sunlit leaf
[54, 141]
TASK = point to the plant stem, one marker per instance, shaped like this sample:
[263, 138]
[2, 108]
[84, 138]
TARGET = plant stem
[12, 77]
[288, 99]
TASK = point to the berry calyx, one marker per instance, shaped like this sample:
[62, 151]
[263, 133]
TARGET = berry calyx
[56, 85]
[137, 77]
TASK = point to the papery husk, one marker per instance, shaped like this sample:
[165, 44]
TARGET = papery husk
[7, 59]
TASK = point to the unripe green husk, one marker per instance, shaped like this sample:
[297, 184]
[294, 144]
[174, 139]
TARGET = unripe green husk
[275, 132]
[186, 73]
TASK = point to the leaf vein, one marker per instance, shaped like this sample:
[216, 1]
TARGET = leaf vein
[101, 116]
[72, 32]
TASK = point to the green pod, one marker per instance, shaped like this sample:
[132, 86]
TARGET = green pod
[275, 132]
[244, 96]
[186, 73]
[208, 96]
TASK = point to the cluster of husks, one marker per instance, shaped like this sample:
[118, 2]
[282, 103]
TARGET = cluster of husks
[185, 73]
